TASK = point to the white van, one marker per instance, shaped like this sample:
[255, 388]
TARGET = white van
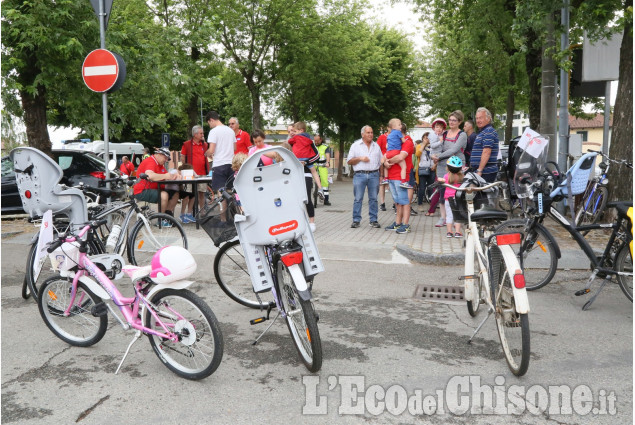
[134, 151]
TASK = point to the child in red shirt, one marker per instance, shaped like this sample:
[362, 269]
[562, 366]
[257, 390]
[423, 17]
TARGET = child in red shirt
[304, 149]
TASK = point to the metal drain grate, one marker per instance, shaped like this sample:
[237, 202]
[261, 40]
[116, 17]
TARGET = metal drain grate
[439, 294]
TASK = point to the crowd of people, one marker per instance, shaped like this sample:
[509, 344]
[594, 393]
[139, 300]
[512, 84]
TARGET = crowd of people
[227, 147]
[442, 155]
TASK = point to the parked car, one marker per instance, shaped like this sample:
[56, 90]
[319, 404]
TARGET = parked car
[78, 167]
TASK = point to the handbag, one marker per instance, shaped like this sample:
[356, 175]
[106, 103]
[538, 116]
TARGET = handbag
[425, 171]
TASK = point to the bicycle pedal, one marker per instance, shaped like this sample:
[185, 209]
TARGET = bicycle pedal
[582, 292]
[468, 277]
[257, 320]
[99, 310]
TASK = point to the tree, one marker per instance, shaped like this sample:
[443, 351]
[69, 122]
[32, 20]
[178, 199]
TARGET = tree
[251, 34]
[38, 39]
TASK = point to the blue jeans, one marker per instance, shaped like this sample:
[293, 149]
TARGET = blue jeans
[399, 194]
[362, 181]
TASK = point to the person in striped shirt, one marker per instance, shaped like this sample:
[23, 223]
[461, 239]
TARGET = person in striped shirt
[483, 159]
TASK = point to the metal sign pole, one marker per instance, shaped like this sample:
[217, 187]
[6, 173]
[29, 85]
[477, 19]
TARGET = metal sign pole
[104, 96]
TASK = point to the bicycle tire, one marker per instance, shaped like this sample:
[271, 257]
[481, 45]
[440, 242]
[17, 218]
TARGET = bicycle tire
[232, 275]
[199, 349]
[474, 304]
[34, 279]
[26, 292]
[591, 211]
[540, 260]
[302, 324]
[315, 195]
[624, 263]
[80, 328]
[512, 327]
[142, 247]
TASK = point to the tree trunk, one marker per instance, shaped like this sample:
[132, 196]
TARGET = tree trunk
[256, 118]
[193, 116]
[621, 177]
[548, 98]
[511, 103]
[35, 119]
[533, 63]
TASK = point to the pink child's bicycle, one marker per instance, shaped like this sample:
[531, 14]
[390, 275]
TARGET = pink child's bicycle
[182, 328]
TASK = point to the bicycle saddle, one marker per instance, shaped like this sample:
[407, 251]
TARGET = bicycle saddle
[621, 206]
[488, 213]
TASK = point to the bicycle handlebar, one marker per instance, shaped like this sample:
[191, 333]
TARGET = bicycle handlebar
[64, 237]
[470, 189]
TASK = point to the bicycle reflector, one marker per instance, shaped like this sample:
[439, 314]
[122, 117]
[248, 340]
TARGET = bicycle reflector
[292, 258]
[27, 194]
[508, 239]
[519, 279]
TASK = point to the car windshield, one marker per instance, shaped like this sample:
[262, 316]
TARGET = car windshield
[7, 167]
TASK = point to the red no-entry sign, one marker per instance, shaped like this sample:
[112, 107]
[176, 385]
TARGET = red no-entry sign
[103, 71]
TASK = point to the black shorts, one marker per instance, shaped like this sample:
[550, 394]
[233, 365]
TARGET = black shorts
[220, 175]
[183, 195]
[170, 192]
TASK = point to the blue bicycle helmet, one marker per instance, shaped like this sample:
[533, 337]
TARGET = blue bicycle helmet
[455, 164]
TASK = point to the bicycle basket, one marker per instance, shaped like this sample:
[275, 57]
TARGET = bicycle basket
[209, 218]
[65, 257]
[459, 209]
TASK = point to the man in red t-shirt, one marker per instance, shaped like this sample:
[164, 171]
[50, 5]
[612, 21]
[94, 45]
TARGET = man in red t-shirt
[146, 190]
[243, 140]
[399, 194]
[193, 153]
[382, 141]
[127, 167]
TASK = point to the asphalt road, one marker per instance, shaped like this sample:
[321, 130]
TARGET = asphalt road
[380, 347]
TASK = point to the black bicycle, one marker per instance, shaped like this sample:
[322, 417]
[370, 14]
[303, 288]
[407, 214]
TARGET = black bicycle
[541, 252]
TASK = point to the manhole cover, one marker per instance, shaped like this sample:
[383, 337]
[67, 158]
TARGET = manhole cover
[439, 294]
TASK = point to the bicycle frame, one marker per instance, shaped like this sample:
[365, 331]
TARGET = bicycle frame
[106, 290]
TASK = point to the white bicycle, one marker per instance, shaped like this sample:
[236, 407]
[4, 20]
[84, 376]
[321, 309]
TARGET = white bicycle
[492, 274]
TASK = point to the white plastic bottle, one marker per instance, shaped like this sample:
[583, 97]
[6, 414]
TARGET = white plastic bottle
[113, 237]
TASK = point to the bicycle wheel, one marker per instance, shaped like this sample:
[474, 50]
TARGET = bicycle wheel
[315, 195]
[624, 264]
[474, 304]
[591, 211]
[36, 274]
[513, 327]
[79, 328]
[301, 320]
[144, 242]
[199, 349]
[232, 275]
[540, 260]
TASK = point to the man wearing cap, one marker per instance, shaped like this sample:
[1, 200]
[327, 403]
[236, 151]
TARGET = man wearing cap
[146, 190]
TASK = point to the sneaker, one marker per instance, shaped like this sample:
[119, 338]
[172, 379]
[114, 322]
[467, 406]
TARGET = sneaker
[384, 181]
[413, 212]
[183, 218]
[440, 223]
[190, 218]
[327, 203]
[166, 223]
[404, 228]
[375, 224]
[393, 226]
[321, 194]
[458, 235]
[312, 227]
[450, 235]
[355, 225]
[405, 185]
[382, 207]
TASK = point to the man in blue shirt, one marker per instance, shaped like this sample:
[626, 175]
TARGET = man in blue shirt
[483, 159]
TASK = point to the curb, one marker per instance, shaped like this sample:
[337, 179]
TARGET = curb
[9, 234]
[431, 259]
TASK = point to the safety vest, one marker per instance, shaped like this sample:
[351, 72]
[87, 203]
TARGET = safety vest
[322, 151]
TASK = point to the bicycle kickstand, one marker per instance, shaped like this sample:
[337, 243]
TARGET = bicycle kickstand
[265, 331]
[588, 303]
[137, 335]
[478, 328]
